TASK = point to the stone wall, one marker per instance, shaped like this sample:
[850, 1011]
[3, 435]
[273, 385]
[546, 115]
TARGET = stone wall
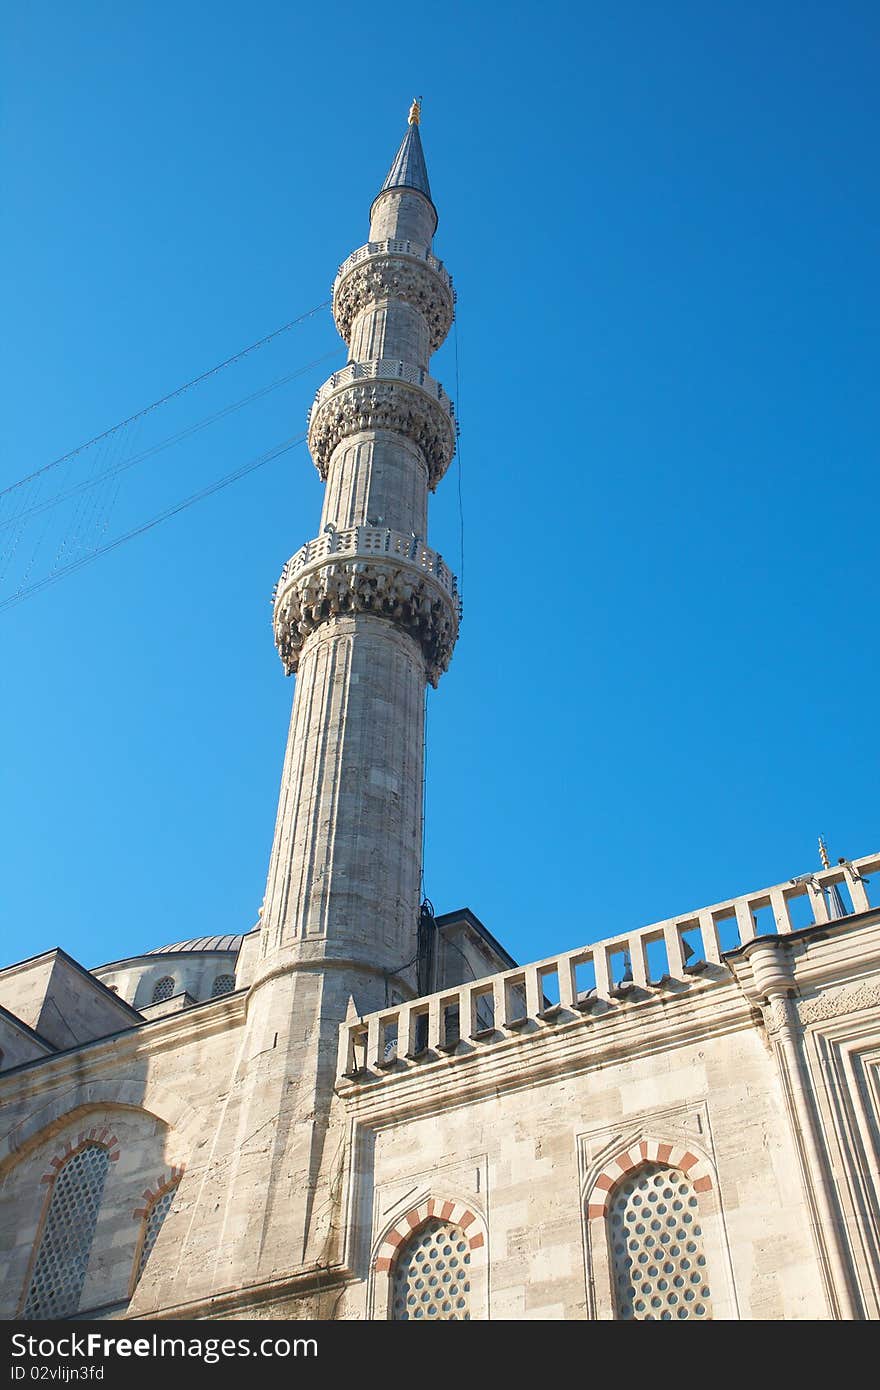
[521, 1141]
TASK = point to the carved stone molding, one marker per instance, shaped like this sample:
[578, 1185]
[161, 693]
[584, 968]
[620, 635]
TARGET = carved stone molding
[775, 1017]
[394, 277]
[377, 404]
[843, 1001]
[413, 600]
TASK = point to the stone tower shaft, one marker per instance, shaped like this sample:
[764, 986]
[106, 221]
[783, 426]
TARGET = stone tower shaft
[366, 613]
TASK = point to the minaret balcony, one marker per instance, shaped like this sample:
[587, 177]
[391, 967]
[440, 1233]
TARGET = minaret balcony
[383, 394]
[395, 269]
[372, 570]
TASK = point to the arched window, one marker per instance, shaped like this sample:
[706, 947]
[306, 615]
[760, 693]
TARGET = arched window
[163, 989]
[658, 1262]
[62, 1259]
[156, 1213]
[431, 1275]
[224, 984]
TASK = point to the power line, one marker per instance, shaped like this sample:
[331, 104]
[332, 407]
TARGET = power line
[172, 395]
[190, 501]
[458, 459]
[38, 508]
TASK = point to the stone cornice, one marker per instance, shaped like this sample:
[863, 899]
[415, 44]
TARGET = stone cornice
[385, 586]
[264, 1294]
[386, 275]
[151, 1036]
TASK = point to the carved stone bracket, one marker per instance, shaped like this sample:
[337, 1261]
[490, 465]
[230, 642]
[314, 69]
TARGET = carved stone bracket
[385, 276]
[406, 595]
[377, 404]
[775, 1016]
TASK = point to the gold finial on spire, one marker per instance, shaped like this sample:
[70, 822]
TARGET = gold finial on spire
[823, 854]
[415, 111]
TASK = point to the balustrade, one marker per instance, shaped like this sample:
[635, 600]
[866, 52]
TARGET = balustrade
[657, 959]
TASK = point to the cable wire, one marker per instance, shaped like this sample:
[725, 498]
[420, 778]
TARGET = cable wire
[37, 508]
[458, 458]
[172, 395]
[424, 787]
[190, 501]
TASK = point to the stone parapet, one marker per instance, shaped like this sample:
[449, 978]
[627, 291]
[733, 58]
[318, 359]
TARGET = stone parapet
[370, 540]
[385, 394]
[397, 270]
[669, 962]
[368, 569]
[398, 245]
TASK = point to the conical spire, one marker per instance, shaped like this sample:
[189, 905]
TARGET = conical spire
[409, 169]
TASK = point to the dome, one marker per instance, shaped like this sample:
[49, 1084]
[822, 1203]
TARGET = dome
[199, 943]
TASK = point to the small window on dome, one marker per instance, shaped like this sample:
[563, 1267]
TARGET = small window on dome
[163, 989]
[224, 984]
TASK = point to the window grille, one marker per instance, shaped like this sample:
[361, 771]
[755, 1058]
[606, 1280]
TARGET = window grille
[163, 990]
[63, 1257]
[224, 984]
[431, 1275]
[153, 1225]
[657, 1247]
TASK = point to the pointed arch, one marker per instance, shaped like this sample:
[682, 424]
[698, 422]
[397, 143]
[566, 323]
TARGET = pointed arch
[616, 1171]
[694, 1166]
[393, 1242]
[78, 1100]
[157, 1202]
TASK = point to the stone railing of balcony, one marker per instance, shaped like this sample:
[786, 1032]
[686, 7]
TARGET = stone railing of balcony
[393, 248]
[388, 369]
[664, 959]
[369, 541]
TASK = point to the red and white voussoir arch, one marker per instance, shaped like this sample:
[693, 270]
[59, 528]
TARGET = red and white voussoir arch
[695, 1169]
[454, 1212]
[101, 1136]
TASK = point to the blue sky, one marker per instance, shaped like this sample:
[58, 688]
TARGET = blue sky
[662, 225]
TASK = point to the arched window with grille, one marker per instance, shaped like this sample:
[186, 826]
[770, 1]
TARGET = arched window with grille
[163, 989]
[431, 1278]
[224, 984]
[62, 1259]
[153, 1219]
[658, 1261]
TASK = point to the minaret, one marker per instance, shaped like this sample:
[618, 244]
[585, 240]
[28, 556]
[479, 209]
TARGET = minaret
[366, 615]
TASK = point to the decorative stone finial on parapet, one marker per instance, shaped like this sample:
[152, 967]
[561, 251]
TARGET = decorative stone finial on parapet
[415, 111]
